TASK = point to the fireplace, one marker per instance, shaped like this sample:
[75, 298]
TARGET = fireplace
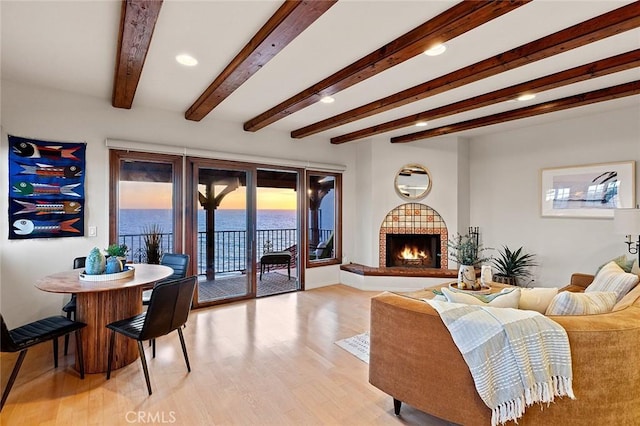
[424, 228]
[413, 250]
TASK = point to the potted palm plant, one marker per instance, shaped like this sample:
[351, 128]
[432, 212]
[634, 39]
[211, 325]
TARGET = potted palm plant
[467, 252]
[511, 265]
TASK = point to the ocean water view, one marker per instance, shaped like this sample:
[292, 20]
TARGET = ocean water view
[277, 230]
[133, 221]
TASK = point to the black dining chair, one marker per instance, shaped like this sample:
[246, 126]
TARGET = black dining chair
[180, 265]
[22, 338]
[70, 307]
[168, 311]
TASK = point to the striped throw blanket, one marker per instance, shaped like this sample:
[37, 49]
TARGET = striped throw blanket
[516, 357]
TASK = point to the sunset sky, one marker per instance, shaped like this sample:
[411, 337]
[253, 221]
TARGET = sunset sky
[151, 195]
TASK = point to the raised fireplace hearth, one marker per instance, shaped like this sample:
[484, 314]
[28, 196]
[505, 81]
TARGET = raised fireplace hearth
[413, 235]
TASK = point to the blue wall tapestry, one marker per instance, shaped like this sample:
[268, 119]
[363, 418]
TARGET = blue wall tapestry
[46, 189]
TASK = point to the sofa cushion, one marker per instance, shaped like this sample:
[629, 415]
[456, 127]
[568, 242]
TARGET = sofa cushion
[612, 277]
[635, 269]
[505, 299]
[537, 298]
[595, 302]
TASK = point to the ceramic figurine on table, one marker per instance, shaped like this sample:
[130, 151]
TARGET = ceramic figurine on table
[95, 263]
[113, 265]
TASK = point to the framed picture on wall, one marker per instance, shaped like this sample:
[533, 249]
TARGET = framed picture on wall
[590, 191]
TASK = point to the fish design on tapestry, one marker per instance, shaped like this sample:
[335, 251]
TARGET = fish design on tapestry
[30, 189]
[47, 170]
[27, 227]
[31, 150]
[43, 207]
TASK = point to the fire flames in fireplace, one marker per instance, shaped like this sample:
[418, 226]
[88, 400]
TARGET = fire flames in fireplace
[413, 256]
[412, 253]
[413, 250]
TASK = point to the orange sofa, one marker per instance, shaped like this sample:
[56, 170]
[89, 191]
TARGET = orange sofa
[414, 360]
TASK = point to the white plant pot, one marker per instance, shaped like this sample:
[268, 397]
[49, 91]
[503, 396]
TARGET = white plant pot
[467, 278]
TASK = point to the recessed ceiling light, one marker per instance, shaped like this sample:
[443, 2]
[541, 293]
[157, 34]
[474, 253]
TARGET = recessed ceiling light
[186, 60]
[421, 124]
[327, 100]
[526, 97]
[436, 50]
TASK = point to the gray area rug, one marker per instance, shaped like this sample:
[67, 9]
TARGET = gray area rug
[358, 346]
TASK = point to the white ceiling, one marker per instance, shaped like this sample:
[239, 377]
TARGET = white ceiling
[71, 45]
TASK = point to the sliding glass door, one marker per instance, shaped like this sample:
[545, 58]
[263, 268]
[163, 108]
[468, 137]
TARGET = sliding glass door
[223, 233]
[277, 235]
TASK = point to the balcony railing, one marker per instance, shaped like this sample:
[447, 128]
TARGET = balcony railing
[230, 246]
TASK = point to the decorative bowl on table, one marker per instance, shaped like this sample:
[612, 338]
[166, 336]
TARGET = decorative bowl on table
[127, 272]
[482, 290]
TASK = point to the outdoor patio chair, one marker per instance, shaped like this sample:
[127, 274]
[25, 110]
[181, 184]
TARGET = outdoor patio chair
[22, 338]
[168, 311]
[276, 258]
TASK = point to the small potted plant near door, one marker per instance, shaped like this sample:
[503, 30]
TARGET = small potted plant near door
[118, 250]
[467, 252]
[512, 265]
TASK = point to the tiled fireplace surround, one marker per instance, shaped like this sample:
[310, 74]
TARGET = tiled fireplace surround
[414, 218]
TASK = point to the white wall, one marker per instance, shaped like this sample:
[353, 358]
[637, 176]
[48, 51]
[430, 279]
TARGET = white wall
[54, 115]
[505, 188]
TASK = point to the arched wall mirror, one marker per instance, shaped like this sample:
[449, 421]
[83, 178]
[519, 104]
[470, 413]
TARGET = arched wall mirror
[413, 182]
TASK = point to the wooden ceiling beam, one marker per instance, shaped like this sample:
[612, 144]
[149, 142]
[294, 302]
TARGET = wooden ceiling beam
[588, 98]
[457, 20]
[289, 21]
[137, 20]
[614, 22]
[622, 62]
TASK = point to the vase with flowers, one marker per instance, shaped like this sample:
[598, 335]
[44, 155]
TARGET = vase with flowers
[467, 251]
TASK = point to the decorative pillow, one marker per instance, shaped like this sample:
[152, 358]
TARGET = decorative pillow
[612, 278]
[621, 261]
[497, 300]
[569, 303]
[628, 299]
[633, 295]
[537, 298]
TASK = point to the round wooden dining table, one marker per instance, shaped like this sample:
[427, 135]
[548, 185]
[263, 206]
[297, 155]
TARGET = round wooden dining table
[99, 303]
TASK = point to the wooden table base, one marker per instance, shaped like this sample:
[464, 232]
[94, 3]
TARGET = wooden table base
[123, 303]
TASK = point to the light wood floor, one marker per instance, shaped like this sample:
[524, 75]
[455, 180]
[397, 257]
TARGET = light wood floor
[270, 361]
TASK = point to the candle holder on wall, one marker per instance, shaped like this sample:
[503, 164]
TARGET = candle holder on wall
[627, 222]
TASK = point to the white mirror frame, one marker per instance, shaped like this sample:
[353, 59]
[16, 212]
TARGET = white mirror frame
[413, 182]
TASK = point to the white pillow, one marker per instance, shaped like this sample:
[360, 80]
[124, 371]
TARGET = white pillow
[537, 298]
[569, 303]
[613, 278]
[501, 300]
